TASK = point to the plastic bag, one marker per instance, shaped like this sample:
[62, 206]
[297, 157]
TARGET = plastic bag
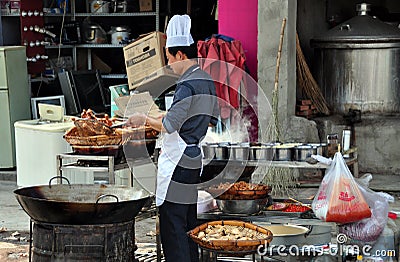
[339, 198]
[368, 230]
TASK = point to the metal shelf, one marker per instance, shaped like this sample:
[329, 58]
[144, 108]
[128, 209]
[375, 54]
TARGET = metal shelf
[98, 46]
[138, 14]
[84, 46]
[59, 46]
[7, 14]
[115, 14]
[114, 76]
[73, 166]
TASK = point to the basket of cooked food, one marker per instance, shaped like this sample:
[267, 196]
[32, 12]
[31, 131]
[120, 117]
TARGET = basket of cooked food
[240, 197]
[97, 135]
[240, 190]
[230, 236]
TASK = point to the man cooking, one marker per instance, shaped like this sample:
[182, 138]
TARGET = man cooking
[193, 109]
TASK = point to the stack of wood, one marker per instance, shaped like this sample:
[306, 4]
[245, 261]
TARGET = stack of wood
[306, 108]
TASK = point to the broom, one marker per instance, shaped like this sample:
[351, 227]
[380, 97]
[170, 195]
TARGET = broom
[307, 82]
[280, 179]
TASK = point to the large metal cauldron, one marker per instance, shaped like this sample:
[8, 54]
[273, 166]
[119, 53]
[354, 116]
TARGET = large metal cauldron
[357, 65]
[81, 204]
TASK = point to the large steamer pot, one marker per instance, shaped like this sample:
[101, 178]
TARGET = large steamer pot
[357, 65]
[81, 204]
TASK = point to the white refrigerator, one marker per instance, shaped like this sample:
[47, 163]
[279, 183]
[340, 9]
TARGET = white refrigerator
[14, 99]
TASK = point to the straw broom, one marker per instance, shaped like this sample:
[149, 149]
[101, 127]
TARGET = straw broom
[280, 179]
[307, 82]
[274, 128]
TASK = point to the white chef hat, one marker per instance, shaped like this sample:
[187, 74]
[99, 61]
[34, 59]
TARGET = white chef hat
[178, 31]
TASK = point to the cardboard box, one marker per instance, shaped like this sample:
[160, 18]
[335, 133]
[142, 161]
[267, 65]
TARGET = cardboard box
[137, 103]
[146, 5]
[145, 64]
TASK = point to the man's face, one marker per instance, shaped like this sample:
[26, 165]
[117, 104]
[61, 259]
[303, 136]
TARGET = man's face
[172, 61]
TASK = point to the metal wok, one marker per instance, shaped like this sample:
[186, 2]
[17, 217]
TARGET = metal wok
[82, 204]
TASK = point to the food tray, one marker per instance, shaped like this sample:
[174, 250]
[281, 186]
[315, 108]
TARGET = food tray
[269, 213]
[260, 236]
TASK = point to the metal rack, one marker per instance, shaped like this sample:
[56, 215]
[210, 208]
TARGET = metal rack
[82, 163]
[351, 162]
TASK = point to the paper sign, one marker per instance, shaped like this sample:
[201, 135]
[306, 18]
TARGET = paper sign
[137, 103]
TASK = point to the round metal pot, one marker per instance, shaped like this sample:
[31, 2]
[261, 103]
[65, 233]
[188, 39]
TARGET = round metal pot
[82, 204]
[301, 153]
[119, 34]
[222, 151]
[240, 152]
[356, 65]
[262, 152]
[99, 6]
[93, 34]
[283, 153]
[287, 234]
[321, 148]
[247, 207]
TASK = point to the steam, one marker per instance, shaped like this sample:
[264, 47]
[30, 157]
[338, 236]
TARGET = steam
[236, 132]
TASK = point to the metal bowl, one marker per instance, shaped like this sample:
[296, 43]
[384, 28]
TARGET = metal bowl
[262, 152]
[303, 152]
[246, 207]
[240, 152]
[283, 153]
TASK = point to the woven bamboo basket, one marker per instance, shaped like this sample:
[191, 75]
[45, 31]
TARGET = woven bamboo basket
[261, 236]
[72, 137]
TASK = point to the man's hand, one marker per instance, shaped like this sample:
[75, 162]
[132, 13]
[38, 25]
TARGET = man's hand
[137, 119]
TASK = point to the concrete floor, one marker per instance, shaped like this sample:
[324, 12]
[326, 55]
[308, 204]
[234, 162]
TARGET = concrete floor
[13, 217]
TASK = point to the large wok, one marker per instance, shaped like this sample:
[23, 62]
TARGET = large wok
[81, 204]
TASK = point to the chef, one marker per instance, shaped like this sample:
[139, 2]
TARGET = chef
[193, 109]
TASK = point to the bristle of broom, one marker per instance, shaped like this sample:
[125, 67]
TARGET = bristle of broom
[307, 82]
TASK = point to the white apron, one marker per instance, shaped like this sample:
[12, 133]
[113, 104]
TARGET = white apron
[172, 149]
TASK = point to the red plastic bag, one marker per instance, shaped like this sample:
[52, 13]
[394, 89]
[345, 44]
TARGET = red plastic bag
[339, 198]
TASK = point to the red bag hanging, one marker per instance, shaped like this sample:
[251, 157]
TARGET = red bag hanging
[339, 198]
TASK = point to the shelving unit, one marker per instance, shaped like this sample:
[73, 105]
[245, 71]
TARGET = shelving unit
[76, 16]
[10, 22]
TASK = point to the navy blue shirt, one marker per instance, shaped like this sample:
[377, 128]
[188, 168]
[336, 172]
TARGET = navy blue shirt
[194, 106]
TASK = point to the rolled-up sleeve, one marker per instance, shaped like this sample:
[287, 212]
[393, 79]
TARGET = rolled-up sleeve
[178, 113]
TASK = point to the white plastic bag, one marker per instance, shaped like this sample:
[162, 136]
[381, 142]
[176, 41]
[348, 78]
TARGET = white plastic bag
[368, 230]
[339, 198]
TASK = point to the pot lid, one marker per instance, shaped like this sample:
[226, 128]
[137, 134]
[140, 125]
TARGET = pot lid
[358, 31]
